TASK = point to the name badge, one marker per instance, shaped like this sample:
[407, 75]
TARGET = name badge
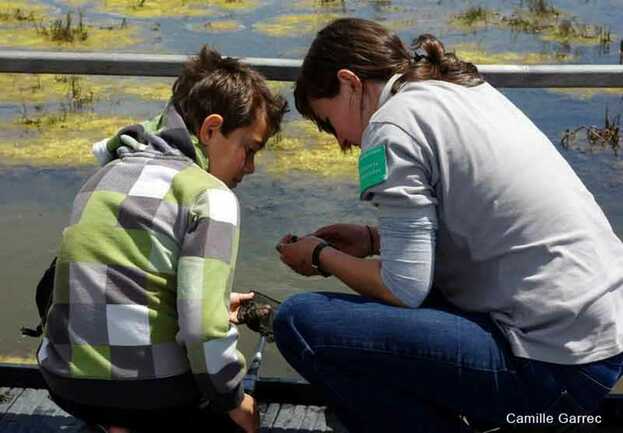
[372, 168]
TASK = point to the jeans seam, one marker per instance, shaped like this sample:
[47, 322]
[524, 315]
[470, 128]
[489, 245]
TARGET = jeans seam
[419, 357]
[595, 381]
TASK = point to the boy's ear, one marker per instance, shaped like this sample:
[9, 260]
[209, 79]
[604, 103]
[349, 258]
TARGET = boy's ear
[210, 125]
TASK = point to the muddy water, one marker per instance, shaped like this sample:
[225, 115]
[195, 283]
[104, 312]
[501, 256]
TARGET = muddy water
[35, 192]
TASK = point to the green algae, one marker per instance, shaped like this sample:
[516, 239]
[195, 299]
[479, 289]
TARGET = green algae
[15, 12]
[398, 24]
[585, 94]
[475, 54]
[155, 8]
[148, 89]
[175, 8]
[14, 359]
[62, 139]
[294, 25]
[302, 148]
[77, 91]
[221, 26]
[84, 37]
[474, 18]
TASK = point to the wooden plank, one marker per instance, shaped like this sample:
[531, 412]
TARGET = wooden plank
[269, 416]
[48, 417]
[289, 418]
[14, 419]
[169, 65]
[310, 419]
[7, 397]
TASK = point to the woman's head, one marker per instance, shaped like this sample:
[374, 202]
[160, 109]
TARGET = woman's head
[373, 55]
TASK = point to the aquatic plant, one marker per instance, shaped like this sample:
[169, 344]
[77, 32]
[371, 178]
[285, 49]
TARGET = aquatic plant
[473, 18]
[52, 139]
[14, 12]
[14, 359]
[63, 30]
[475, 54]
[607, 136]
[174, 8]
[585, 93]
[60, 33]
[294, 25]
[571, 32]
[398, 24]
[154, 8]
[222, 26]
[301, 147]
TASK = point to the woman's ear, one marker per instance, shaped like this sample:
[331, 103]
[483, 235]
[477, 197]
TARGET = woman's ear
[211, 124]
[349, 79]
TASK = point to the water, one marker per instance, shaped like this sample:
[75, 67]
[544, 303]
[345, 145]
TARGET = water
[35, 197]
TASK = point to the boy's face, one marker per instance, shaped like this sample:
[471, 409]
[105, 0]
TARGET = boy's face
[231, 158]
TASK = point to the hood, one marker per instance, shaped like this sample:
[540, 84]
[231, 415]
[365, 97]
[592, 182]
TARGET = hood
[165, 134]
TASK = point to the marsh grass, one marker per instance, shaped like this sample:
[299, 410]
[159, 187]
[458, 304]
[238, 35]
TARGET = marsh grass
[539, 17]
[596, 137]
[474, 17]
[19, 11]
[64, 30]
[18, 15]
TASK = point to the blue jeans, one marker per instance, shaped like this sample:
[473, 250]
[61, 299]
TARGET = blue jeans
[393, 369]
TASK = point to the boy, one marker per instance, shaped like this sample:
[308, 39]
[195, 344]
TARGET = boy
[139, 334]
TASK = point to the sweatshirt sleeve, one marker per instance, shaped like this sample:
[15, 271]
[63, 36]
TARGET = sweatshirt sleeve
[205, 272]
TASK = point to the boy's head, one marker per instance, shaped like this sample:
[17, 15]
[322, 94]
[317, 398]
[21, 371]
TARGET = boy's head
[228, 106]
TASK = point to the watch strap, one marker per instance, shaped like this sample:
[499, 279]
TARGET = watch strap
[316, 258]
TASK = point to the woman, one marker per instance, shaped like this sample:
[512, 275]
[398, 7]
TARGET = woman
[498, 292]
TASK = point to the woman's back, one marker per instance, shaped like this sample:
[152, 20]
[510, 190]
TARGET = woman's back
[519, 234]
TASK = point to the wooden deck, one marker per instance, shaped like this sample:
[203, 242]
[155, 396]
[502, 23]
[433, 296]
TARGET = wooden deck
[31, 411]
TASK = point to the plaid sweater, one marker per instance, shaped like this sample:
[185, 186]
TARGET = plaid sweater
[145, 269]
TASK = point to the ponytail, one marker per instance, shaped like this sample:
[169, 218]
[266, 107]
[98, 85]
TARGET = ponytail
[431, 62]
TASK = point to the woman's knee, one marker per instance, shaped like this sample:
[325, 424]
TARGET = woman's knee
[292, 316]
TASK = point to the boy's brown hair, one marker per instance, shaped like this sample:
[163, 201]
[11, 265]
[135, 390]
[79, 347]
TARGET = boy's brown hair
[211, 84]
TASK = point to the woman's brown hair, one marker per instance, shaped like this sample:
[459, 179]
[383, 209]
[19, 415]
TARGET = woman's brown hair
[211, 84]
[374, 54]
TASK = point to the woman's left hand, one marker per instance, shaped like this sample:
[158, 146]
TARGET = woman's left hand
[298, 255]
[235, 299]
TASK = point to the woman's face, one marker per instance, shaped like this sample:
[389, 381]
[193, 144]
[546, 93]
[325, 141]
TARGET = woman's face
[341, 115]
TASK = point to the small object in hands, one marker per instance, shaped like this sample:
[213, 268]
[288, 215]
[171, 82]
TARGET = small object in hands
[258, 314]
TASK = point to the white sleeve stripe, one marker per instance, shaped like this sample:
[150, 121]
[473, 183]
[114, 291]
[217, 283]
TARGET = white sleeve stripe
[407, 255]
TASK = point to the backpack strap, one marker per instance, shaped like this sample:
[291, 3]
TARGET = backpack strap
[43, 298]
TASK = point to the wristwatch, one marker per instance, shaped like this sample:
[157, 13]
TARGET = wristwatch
[316, 258]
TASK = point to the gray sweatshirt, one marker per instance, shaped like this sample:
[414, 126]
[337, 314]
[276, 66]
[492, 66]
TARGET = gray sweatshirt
[519, 236]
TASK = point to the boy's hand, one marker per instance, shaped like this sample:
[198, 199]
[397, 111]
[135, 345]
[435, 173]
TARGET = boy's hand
[235, 299]
[246, 415]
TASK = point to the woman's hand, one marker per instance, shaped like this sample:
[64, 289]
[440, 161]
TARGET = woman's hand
[246, 415]
[352, 239]
[235, 299]
[297, 254]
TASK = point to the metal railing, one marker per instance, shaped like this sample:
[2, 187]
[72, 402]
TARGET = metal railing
[169, 65]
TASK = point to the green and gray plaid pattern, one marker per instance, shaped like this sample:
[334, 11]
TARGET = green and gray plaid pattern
[145, 270]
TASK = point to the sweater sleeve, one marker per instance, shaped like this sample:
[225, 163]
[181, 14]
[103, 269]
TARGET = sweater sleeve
[205, 272]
